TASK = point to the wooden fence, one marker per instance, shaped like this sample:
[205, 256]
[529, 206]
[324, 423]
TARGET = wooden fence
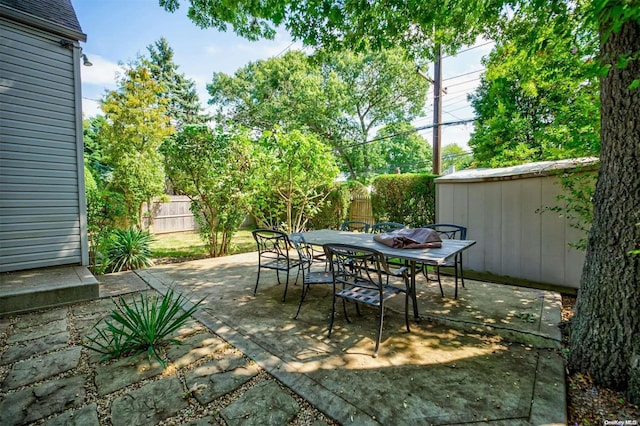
[172, 216]
[360, 209]
[175, 216]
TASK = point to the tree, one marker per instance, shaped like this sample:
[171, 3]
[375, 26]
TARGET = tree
[340, 97]
[454, 156]
[136, 124]
[540, 106]
[94, 147]
[298, 171]
[213, 167]
[183, 104]
[402, 149]
[604, 337]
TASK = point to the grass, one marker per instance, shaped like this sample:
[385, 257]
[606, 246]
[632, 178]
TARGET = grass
[178, 246]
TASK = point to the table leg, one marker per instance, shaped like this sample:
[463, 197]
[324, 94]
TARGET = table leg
[414, 297]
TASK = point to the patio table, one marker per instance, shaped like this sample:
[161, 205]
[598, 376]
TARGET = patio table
[429, 256]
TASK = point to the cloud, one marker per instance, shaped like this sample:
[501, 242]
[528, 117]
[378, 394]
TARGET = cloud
[90, 108]
[103, 72]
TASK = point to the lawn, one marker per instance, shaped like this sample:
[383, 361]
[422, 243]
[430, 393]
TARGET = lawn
[182, 246]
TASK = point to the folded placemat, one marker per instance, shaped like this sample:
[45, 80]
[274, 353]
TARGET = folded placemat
[410, 238]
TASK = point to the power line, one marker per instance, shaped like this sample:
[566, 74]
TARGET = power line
[285, 49]
[468, 49]
[408, 132]
[462, 75]
[463, 82]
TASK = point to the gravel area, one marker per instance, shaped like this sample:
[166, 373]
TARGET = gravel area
[587, 403]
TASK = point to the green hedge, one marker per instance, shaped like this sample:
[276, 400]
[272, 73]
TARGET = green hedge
[406, 198]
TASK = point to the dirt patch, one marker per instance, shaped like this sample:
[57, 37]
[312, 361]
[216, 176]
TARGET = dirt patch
[587, 403]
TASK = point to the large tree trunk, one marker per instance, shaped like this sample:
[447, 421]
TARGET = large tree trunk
[605, 330]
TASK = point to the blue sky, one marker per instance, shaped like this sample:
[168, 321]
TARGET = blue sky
[118, 30]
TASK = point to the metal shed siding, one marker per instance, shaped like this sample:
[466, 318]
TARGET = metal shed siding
[502, 213]
[41, 178]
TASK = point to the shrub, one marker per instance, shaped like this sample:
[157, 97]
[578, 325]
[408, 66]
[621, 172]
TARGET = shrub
[141, 326]
[405, 198]
[130, 249]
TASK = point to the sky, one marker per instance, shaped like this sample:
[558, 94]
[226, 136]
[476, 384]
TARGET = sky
[120, 30]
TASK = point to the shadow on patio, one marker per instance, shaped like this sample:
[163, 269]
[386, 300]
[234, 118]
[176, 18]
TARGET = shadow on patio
[489, 356]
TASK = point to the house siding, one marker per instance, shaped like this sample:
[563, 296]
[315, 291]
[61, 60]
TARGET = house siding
[41, 178]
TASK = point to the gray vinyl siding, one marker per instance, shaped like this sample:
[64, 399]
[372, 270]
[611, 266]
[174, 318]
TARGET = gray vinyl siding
[41, 185]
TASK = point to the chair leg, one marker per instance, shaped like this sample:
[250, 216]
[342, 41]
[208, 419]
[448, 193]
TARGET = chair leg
[439, 281]
[286, 286]
[379, 335]
[305, 289]
[333, 313]
[344, 309]
[461, 274]
[406, 310]
[455, 268]
[257, 280]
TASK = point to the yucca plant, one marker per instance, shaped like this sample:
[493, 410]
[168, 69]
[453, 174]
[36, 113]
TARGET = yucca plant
[139, 326]
[130, 249]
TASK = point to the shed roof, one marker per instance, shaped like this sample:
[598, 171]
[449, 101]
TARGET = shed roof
[57, 16]
[542, 168]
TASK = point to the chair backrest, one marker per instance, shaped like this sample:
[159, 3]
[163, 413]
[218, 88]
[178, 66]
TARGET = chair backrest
[272, 244]
[304, 249]
[382, 227]
[449, 231]
[353, 265]
[355, 225]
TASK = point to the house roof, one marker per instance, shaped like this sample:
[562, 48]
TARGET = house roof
[57, 16]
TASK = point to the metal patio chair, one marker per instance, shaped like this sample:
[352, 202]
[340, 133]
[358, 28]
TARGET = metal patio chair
[452, 232]
[309, 264]
[354, 225]
[358, 277]
[382, 227]
[274, 254]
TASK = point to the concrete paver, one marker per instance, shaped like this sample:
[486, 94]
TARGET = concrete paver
[150, 404]
[34, 403]
[36, 369]
[265, 404]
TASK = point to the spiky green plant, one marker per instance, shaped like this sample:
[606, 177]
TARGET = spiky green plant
[130, 249]
[141, 326]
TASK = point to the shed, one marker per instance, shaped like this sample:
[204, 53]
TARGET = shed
[504, 211]
[42, 204]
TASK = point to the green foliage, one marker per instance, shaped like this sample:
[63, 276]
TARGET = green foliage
[296, 172]
[399, 147]
[576, 202]
[94, 147]
[338, 97]
[215, 169]
[136, 124]
[404, 198]
[334, 211]
[183, 104]
[537, 106]
[141, 326]
[103, 210]
[454, 156]
[129, 249]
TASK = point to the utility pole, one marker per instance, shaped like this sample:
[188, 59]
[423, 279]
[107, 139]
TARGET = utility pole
[437, 114]
[437, 110]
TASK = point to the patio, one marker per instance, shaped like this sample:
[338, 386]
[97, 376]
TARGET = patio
[490, 356]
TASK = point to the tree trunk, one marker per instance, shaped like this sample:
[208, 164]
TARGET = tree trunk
[605, 330]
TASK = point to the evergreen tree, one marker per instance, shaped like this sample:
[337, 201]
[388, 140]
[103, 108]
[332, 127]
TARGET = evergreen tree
[183, 103]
